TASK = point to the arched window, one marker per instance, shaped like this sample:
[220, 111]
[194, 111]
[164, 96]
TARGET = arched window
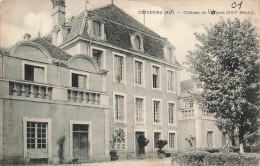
[138, 42]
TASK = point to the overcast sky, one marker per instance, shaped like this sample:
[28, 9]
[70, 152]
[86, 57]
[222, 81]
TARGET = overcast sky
[30, 16]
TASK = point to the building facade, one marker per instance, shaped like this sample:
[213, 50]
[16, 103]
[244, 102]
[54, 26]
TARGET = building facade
[196, 122]
[94, 74]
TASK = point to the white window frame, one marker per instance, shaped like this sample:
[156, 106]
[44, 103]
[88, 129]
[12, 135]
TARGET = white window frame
[49, 134]
[103, 55]
[160, 76]
[89, 123]
[124, 68]
[174, 124]
[125, 130]
[161, 137]
[139, 130]
[143, 72]
[160, 111]
[80, 73]
[102, 29]
[174, 80]
[213, 138]
[144, 110]
[36, 64]
[175, 140]
[114, 108]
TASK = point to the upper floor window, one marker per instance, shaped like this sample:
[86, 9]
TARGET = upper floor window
[119, 67]
[139, 72]
[139, 110]
[97, 28]
[79, 80]
[119, 106]
[170, 80]
[156, 76]
[156, 111]
[171, 112]
[34, 71]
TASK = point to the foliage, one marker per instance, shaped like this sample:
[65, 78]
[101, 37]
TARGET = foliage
[191, 140]
[142, 143]
[226, 64]
[117, 137]
[200, 158]
[61, 142]
[160, 144]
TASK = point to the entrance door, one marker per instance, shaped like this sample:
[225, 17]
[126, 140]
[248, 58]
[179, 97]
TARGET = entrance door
[80, 141]
[137, 134]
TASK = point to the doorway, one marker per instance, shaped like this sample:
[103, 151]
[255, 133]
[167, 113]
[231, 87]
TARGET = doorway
[80, 141]
[137, 134]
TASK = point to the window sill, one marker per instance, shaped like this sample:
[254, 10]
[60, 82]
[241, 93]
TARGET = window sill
[117, 121]
[157, 89]
[172, 125]
[173, 92]
[138, 85]
[157, 124]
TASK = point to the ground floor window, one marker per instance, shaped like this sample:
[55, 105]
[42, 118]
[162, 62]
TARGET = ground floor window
[171, 140]
[36, 135]
[121, 141]
[209, 138]
[157, 137]
[224, 139]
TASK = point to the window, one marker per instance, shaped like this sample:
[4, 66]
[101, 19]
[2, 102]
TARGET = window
[156, 77]
[97, 28]
[209, 138]
[118, 68]
[97, 56]
[171, 140]
[138, 42]
[171, 112]
[139, 73]
[120, 143]
[169, 54]
[224, 139]
[119, 108]
[139, 109]
[170, 79]
[156, 111]
[34, 73]
[36, 135]
[156, 138]
[78, 81]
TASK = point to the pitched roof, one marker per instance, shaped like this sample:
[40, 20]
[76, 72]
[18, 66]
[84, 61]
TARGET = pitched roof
[112, 12]
[118, 28]
[54, 51]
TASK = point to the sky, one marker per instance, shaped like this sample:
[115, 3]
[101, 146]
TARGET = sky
[18, 17]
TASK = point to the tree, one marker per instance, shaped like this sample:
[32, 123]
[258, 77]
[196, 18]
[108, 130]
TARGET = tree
[226, 64]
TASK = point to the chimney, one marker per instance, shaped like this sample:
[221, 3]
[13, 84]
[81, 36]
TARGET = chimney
[58, 12]
[26, 37]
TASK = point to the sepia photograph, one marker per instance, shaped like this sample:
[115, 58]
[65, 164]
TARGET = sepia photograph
[130, 82]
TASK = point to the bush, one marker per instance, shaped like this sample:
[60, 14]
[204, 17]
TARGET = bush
[201, 158]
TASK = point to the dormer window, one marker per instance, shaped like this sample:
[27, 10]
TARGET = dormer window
[169, 54]
[98, 29]
[137, 42]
